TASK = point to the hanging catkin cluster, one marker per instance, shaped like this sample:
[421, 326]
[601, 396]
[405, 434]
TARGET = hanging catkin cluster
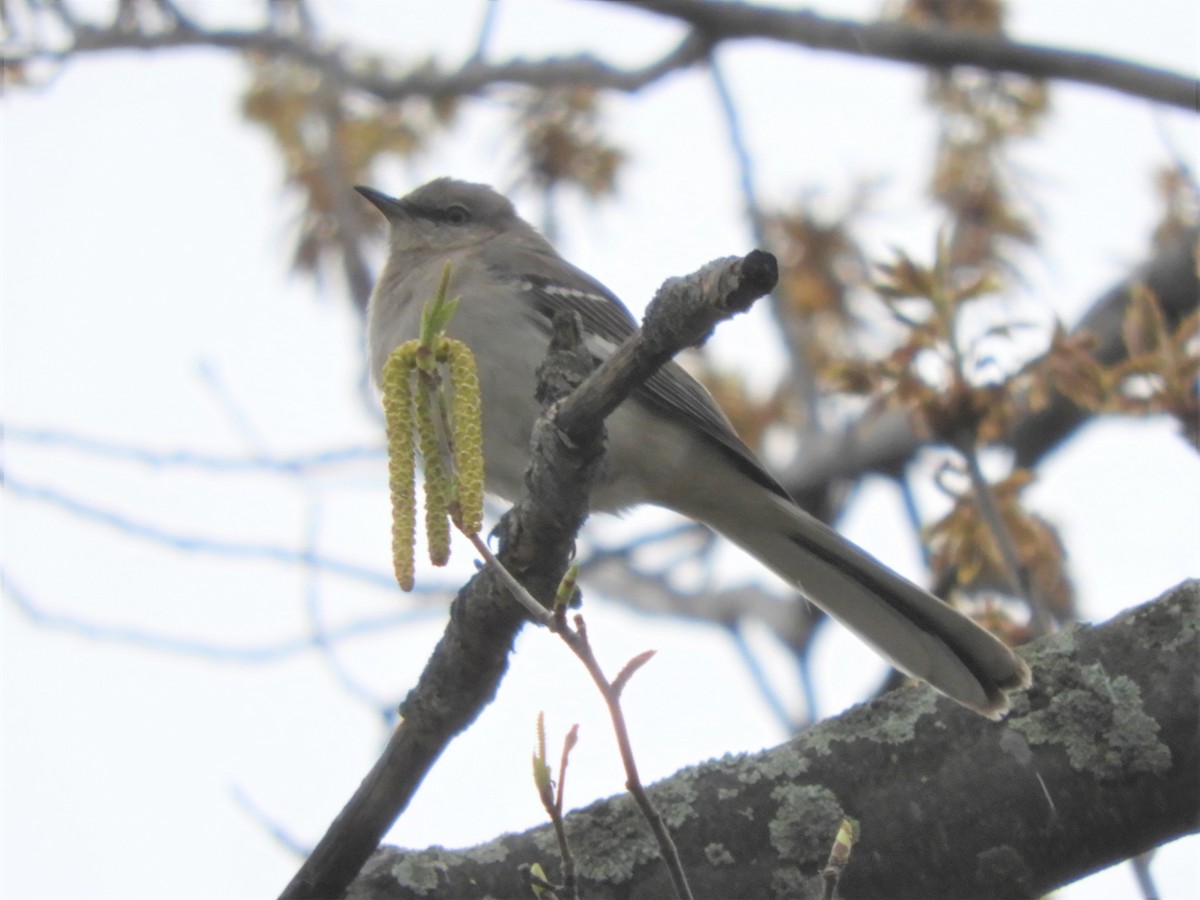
[431, 402]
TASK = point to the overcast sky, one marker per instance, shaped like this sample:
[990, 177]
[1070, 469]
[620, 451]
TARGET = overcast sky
[147, 307]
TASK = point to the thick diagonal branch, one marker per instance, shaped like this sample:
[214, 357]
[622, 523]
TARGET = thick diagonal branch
[536, 542]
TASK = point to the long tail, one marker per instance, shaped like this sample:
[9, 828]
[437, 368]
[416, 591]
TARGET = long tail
[916, 631]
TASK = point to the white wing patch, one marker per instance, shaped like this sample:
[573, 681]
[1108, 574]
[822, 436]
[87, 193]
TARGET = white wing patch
[565, 292]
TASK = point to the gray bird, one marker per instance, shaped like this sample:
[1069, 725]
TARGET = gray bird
[668, 444]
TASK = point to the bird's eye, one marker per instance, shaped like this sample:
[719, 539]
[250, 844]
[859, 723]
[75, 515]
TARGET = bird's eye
[457, 215]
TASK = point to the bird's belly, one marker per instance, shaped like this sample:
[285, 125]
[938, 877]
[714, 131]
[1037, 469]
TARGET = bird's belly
[508, 419]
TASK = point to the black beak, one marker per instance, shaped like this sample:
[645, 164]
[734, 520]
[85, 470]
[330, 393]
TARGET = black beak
[389, 206]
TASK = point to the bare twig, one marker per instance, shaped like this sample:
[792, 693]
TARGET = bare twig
[712, 22]
[552, 794]
[536, 611]
[191, 543]
[276, 830]
[576, 638]
[989, 511]
[487, 27]
[791, 326]
[1145, 879]
[934, 47]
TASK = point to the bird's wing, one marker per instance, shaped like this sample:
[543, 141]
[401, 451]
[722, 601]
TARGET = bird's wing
[670, 391]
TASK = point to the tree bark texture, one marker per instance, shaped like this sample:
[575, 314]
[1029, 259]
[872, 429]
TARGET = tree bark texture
[1099, 761]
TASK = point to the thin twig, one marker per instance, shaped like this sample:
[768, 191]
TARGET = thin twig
[487, 28]
[537, 612]
[576, 638]
[990, 510]
[192, 543]
[790, 325]
[713, 22]
[1145, 878]
[275, 829]
[552, 796]
[570, 881]
[934, 47]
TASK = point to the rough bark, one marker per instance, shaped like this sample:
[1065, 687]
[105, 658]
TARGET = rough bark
[1099, 761]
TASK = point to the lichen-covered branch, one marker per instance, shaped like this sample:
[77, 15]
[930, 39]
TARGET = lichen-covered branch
[1098, 762]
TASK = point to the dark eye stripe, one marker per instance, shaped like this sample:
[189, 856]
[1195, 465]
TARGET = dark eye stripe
[453, 215]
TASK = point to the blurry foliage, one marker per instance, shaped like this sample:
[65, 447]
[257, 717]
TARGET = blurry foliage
[1160, 375]
[933, 368]
[981, 113]
[329, 139]
[964, 551]
[331, 134]
[969, 15]
[951, 394]
[1180, 196]
[941, 387]
[945, 393]
[823, 270]
[563, 143]
[821, 265]
[751, 417]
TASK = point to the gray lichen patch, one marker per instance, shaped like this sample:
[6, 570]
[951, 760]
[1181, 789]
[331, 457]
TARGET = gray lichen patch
[421, 871]
[718, 855]
[1170, 627]
[1101, 724]
[786, 762]
[880, 722]
[619, 840]
[485, 854]
[676, 799]
[788, 882]
[805, 821]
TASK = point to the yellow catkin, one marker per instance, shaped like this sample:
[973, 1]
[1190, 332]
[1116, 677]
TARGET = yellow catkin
[437, 480]
[397, 408]
[468, 435]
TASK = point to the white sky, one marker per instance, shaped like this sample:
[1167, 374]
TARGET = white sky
[146, 304]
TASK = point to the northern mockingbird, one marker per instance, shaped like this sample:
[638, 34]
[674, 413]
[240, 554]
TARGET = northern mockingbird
[668, 444]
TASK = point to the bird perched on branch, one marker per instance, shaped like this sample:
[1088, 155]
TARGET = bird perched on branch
[668, 444]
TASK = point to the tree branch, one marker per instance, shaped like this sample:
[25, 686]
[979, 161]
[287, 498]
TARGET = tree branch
[1173, 275]
[711, 23]
[1097, 763]
[536, 541]
[936, 47]
[886, 442]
